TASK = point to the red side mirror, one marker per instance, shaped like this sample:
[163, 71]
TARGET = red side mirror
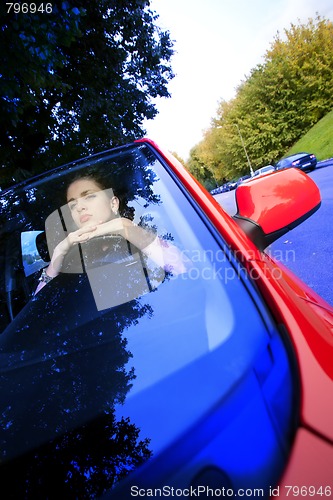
[271, 205]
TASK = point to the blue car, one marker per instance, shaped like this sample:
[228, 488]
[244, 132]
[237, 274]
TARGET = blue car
[303, 161]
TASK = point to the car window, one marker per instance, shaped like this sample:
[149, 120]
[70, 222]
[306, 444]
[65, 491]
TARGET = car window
[117, 348]
[282, 163]
[32, 254]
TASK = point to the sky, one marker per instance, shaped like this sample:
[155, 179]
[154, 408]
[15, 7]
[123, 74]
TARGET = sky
[217, 43]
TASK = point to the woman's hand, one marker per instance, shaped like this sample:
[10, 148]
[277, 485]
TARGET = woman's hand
[141, 238]
[124, 227]
[118, 225]
[79, 236]
[163, 253]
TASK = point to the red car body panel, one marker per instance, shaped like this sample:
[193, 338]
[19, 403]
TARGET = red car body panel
[308, 471]
[307, 317]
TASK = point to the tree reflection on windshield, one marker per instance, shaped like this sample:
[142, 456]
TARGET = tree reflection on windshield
[62, 383]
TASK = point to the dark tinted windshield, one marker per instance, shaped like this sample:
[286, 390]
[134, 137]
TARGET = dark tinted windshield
[101, 369]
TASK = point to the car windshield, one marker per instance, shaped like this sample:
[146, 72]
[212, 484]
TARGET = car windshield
[283, 163]
[115, 347]
[287, 161]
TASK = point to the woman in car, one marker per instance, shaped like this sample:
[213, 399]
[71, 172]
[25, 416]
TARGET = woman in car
[94, 210]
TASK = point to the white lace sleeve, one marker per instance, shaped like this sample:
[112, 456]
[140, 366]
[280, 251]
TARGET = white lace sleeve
[167, 256]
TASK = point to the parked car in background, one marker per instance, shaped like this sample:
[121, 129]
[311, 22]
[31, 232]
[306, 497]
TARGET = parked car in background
[220, 189]
[231, 184]
[194, 362]
[303, 161]
[264, 170]
[257, 173]
[243, 178]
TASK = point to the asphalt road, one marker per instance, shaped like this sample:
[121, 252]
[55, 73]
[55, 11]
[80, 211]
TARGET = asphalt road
[307, 249]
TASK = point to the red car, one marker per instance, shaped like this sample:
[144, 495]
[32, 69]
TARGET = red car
[149, 346]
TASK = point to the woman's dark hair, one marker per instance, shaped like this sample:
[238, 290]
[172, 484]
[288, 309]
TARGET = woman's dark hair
[93, 174]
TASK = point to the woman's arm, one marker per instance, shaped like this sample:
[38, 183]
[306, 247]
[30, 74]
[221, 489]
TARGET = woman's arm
[163, 253]
[60, 252]
[138, 236]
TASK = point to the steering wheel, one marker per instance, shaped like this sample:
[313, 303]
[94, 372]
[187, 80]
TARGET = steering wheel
[96, 252]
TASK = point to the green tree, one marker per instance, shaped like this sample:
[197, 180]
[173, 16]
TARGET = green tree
[77, 80]
[283, 98]
[200, 170]
[277, 103]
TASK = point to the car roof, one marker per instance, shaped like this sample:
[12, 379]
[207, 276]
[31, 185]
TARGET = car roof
[263, 169]
[296, 155]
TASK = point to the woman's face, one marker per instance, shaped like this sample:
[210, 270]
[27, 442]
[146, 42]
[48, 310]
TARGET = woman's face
[89, 204]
